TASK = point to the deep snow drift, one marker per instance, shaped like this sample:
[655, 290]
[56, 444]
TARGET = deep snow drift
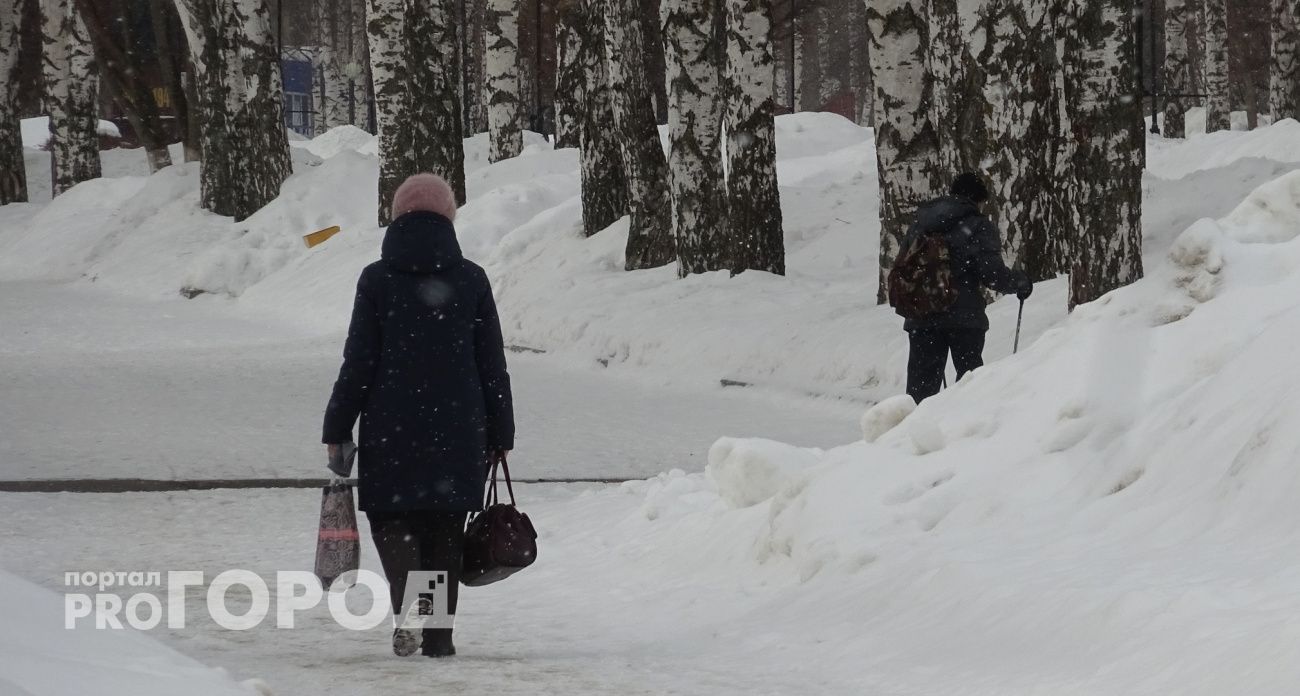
[1110, 511]
[39, 656]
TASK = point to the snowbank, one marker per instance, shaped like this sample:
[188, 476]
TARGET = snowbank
[1110, 511]
[39, 657]
[1174, 159]
[817, 330]
[36, 131]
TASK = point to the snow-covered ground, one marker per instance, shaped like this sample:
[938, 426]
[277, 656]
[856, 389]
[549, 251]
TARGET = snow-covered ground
[38, 656]
[1108, 512]
[101, 386]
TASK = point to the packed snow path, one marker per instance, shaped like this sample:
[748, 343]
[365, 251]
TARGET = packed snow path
[100, 387]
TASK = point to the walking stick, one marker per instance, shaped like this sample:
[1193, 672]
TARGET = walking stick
[1019, 318]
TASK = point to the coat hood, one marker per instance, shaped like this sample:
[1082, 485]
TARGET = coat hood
[940, 214]
[421, 242]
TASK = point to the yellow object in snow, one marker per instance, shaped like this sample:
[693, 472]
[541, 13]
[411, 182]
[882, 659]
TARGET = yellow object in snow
[320, 235]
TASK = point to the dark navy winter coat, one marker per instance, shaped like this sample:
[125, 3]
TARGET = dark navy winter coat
[424, 367]
[975, 250]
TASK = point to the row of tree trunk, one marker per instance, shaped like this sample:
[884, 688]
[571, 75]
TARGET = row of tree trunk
[13, 170]
[954, 90]
[1197, 60]
[681, 207]
[1039, 95]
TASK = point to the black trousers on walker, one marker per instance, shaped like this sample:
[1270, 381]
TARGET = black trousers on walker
[929, 356]
[419, 540]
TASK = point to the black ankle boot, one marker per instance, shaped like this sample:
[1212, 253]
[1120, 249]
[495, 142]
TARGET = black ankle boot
[437, 643]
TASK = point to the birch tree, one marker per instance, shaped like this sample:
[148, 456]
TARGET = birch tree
[568, 75]
[1018, 47]
[808, 75]
[474, 45]
[388, 66]
[957, 104]
[649, 241]
[505, 132]
[1284, 69]
[338, 46]
[860, 66]
[1101, 99]
[695, 72]
[907, 145]
[1218, 101]
[71, 78]
[241, 101]
[827, 21]
[1178, 67]
[604, 186]
[433, 91]
[754, 203]
[13, 171]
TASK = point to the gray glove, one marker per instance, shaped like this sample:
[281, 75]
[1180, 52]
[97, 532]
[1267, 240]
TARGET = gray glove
[341, 459]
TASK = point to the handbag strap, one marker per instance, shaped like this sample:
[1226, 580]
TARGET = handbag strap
[492, 497]
[505, 469]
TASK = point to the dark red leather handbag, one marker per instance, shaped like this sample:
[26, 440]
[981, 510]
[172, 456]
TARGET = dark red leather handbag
[500, 541]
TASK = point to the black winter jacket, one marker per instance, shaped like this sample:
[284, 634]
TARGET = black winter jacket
[975, 251]
[424, 367]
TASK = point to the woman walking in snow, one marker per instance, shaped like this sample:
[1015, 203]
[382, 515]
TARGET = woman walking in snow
[424, 367]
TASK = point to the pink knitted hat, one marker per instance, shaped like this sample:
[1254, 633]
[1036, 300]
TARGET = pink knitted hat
[427, 192]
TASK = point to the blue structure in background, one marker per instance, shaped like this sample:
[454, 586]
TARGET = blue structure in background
[297, 74]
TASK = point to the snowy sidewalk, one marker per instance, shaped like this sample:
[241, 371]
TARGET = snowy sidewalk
[589, 618]
[101, 387]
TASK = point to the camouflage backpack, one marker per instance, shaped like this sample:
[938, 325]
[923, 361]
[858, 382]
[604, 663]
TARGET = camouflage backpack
[921, 282]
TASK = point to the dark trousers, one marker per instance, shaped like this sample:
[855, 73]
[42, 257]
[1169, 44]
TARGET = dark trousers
[419, 540]
[928, 357]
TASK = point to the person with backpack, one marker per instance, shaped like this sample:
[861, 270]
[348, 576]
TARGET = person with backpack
[424, 368]
[951, 252]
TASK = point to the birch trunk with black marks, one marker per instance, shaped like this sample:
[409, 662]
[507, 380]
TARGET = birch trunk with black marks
[860, 66]
[237, 82]
[828, 21]
[473, 48]
[695, 73]
[433, 92]
[958, 108]
[649, 241]
[753, 201]
[796, 48]
[808, 62]
[1103, 101]
[333, 92]
[1284, 68]
[907, 144]
[71, 78]
[1218, 85]
[1178, 68]
[655, 53]
[505, 134]
[604, 184]
[1022, 119]
[13, 171]
[385, 22]
[568, 75]
[359, 83]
